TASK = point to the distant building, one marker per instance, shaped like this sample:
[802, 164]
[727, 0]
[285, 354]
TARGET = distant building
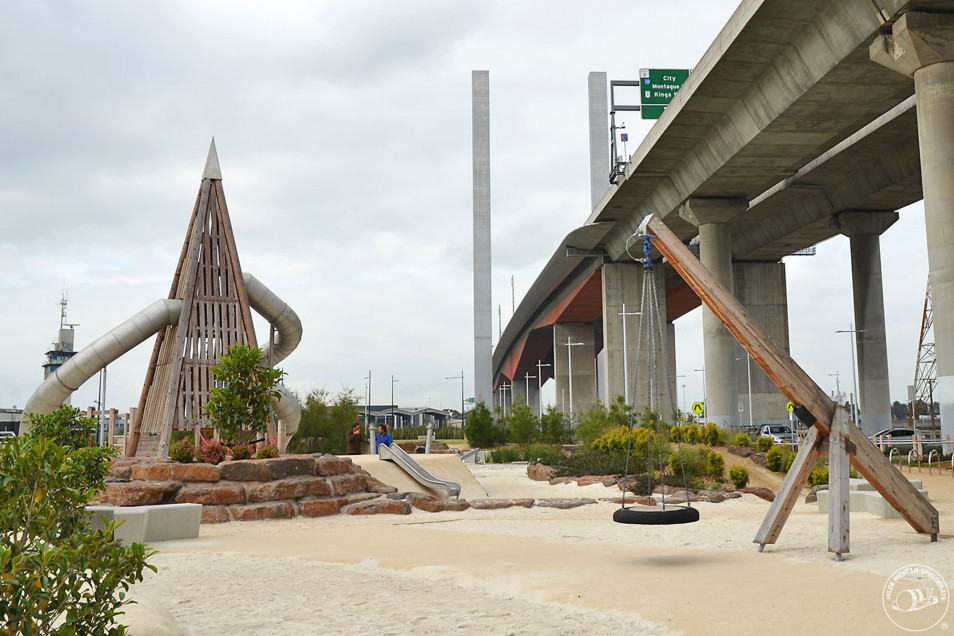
[396, 417]
[62, 349]
[10, 419]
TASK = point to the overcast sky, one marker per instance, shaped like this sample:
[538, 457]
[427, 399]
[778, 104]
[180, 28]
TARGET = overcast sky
[344, 136]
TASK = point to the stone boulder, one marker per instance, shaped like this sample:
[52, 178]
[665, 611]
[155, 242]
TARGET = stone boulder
[541, 472]
[741, 451]
[564, 504]
[429, 503]
[139, 493]
[211, 494]
[758, 459]
[379, 507]
[760, 491]
[499, 504]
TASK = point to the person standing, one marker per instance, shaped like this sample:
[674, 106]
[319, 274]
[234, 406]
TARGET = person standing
[353, 438]
[383, 436]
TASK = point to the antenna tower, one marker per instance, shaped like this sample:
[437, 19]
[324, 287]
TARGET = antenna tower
[925, 372]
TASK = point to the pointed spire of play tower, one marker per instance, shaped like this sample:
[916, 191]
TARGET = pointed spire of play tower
[215, 316]
[212, 170]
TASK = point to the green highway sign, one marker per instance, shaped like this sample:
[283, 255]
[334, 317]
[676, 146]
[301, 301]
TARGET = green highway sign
[657, 87]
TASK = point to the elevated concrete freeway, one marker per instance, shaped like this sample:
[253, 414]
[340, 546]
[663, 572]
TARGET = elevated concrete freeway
[792, 128]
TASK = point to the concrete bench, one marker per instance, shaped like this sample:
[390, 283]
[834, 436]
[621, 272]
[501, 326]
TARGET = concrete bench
[141, 524]
[862, 497]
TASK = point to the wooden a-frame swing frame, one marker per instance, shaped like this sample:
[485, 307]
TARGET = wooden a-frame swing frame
[832, 431]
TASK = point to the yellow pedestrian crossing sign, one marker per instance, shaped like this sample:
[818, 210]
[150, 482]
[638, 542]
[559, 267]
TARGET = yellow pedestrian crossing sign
[790, 407]
[698, 408]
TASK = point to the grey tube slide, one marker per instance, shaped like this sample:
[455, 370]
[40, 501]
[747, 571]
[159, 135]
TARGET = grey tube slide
[50, 395]
[58, 386]
[397, 455]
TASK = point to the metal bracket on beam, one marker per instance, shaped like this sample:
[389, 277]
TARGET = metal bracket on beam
[576, 252]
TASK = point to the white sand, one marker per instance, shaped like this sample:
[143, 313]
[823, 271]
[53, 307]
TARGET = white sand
[539, 571]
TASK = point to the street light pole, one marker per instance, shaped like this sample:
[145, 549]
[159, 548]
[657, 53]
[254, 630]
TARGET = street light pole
[540, 366]
[626, 354]
[461, 378]
[705, 405]
[748, 371]
[527, 377]
[856, 402]
[569, 358]
[392, 401]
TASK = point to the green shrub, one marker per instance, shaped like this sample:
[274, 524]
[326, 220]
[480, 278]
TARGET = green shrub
[739, 476]
[244, 389]
[267, 452]
[524, 425]
[56, 574]
[554, 427]
[715, 465]
[818, 476]
[210, 452]
[480, 431]
[764, 443]
[742, 439]
[789, 458]
[182, 451]
[773, 459]
[687, 434]
[67, 427]
[711, 435]
[688, 460]
[241, 451]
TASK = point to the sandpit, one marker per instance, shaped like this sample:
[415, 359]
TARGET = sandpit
[538, 570]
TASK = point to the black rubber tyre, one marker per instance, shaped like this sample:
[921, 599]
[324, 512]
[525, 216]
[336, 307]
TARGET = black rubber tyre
[651, 516]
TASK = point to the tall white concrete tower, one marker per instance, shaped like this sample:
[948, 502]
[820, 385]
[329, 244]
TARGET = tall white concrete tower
[483, 312]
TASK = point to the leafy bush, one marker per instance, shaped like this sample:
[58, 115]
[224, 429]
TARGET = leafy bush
[715, 465]
[182, 451]
[211, 452]
[56, 574]
[243, 392]
[818, 476]
[88, 465]
[739, 476]
[595, 462]
[325, 422]
[524, 425]
[480, 431]
[710, 435]
[764, 443]
[687, 433]
[241, 451]
[544, 453]
[597, 420]
[743, 440]
[554, 427]
[688, 460]
[266, 452]
[780, 458]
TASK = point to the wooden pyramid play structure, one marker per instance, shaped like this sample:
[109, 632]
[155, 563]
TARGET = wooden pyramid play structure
[215, 316]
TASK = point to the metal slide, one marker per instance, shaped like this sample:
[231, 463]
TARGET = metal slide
[396, 454]
[60, 384]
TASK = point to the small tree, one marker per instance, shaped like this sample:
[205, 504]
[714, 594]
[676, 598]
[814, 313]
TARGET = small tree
[56, 574]
[480, 430]
[554, 427]
[524, 425]
[324, 423]
[242, 399]
[67, 427]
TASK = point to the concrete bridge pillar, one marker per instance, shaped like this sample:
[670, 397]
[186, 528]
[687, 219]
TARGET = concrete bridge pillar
[712, 217]
[525, 389]
[921, 45]
[761, 289]
[574, 350]
[655, 371]
[864, 230]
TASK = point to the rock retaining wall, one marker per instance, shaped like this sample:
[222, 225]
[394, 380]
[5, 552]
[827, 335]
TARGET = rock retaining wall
[296, 485]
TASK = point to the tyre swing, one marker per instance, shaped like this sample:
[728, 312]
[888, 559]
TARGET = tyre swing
[650, 329]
